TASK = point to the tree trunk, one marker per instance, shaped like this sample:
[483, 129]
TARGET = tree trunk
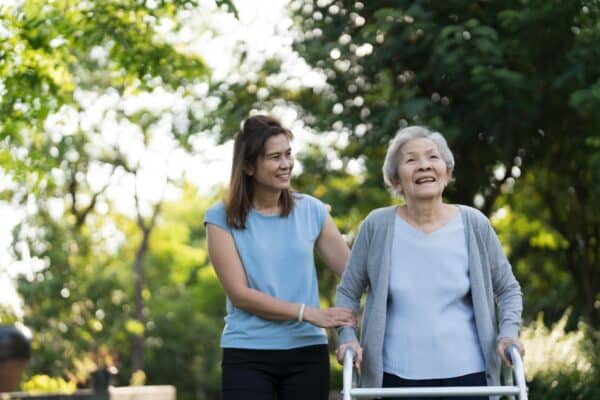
[137, 353]
[586, 285]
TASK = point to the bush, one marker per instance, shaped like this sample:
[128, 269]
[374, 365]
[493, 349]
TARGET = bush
[40, 384]
[561, 365]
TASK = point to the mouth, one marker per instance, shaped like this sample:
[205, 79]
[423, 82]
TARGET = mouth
[425, 179]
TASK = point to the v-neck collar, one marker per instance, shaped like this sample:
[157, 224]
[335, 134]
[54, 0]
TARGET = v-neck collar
[423, 233]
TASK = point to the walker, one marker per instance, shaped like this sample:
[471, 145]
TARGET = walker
[509, 389]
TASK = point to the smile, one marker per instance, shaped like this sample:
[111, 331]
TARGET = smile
[427, 179]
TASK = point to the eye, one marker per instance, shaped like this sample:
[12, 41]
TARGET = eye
[434, 156]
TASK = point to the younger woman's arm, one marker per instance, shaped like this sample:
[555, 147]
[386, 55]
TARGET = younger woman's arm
[231, 274]
[332, 248]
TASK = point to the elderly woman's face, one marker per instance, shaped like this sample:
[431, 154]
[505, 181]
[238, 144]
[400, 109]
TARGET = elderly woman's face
[422, 172]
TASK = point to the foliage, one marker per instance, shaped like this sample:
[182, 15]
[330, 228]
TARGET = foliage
[53, 50]
[560, 364]
[138, 378]
[536, 250]
[7, 315]
[186, 303]
[58, 60]
[40, 384]
[551, 351]
[82, 324]
[69, 313]
[478, 72]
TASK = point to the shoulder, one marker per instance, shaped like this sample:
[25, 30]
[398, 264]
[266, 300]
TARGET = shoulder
[473, 215]
[310, 212]
[216, 209]
[378, 219]
[476, 221]
[379, 215]
[305, 198]
[216, 215]
[307, 202]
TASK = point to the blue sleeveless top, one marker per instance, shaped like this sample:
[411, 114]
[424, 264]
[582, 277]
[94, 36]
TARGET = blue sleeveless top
[277, 254]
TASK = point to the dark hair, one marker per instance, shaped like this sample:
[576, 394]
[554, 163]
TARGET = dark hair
[13, 344]
[249, 144]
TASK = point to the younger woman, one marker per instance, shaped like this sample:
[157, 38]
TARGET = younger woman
[261, 241]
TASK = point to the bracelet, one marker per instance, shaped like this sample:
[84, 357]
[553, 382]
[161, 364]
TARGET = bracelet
[301, 312]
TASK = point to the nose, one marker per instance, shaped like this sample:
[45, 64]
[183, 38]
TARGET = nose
[286, 162]
[424, 163]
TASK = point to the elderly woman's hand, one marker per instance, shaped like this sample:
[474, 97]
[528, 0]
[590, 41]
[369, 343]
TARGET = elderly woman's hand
[357, 350]
[503, 344]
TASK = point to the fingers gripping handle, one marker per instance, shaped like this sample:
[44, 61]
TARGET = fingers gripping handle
[349, 355]
[508, 351]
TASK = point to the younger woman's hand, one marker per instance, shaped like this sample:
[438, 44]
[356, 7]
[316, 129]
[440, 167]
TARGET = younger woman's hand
[329, 317]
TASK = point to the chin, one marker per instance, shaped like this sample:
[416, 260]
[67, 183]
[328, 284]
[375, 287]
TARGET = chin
[428, 196]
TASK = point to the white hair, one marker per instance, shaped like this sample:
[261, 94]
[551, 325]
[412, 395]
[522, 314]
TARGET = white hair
[390, 165]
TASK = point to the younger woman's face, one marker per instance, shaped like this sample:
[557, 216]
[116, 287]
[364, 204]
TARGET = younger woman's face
[273, 170]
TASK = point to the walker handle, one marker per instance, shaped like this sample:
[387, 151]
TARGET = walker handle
[512, 353]
[349, 355]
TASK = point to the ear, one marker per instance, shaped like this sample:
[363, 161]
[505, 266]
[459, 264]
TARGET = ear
[449, 178]
[397, 187]
[249, 170]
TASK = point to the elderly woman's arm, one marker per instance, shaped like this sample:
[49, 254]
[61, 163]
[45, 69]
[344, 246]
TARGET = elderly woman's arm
[509, 298]
[352, 285]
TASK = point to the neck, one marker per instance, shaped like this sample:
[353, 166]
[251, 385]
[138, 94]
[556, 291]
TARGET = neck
[266, 201]
[424, 213]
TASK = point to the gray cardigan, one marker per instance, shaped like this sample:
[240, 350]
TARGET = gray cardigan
[490, 273]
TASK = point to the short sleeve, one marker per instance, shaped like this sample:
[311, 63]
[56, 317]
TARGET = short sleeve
[216, 215]
[321, 210]
[318, 211]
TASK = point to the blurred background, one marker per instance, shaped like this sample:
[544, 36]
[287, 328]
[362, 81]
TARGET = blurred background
[116, 119]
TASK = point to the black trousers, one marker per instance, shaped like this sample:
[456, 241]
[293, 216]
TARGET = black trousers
[295, 374]
[476, 379]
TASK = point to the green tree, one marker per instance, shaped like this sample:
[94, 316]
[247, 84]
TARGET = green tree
[183, 300]
[53, 51]
[186, 302]
[56, 58]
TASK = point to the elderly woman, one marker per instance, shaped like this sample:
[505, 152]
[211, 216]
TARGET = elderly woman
[435, 273]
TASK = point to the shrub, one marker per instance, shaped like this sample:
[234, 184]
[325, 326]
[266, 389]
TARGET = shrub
[559, 364]
[39, 384]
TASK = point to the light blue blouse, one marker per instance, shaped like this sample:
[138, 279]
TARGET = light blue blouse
[430, 331]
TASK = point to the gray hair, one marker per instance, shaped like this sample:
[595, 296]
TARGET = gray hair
[390, 165]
